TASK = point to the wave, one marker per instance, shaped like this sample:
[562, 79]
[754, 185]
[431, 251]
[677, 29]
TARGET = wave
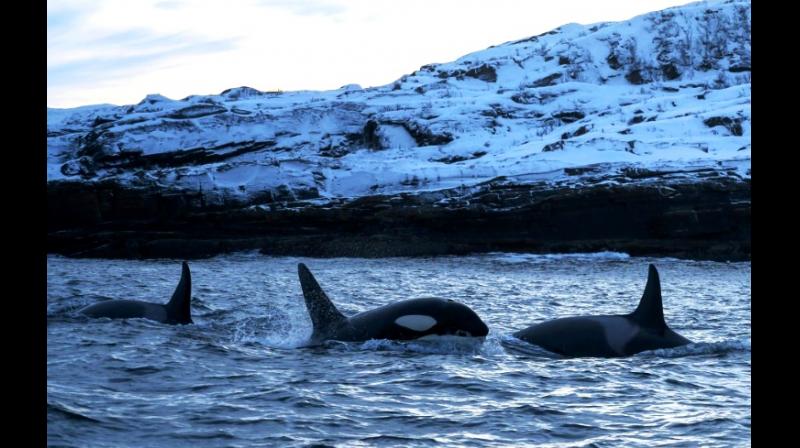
[69, 412]
[701, 348]
[517, 346]
[516, 258]
[426, 345]
[271, 331]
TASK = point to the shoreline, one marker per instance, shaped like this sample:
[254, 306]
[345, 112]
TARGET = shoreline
[706, 219]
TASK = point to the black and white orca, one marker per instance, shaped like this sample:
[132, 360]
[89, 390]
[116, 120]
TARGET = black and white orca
[404, 320]
[176, 311]
[609, 336]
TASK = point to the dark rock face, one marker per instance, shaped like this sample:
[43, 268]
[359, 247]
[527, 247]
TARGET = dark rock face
[636, 119]
[549, 80]
[241, 92]
[556, 146]
[422, 135]
[569, 116]
[613, 62]
[197, 111]
[641, 215]
[455, 159]
[370, 135]
[186, 157]
[260, 167]
[636, 77]
[734, 125]
[484, 72]
[578, 132]
[670, 72]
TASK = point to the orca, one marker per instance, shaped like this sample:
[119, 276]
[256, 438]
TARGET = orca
[609, 336]
[402, 321]
[176, 311]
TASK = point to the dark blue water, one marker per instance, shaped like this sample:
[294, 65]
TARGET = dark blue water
[238, 377]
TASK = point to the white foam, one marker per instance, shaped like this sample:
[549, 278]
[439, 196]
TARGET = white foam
[513, 258]
[701, 348]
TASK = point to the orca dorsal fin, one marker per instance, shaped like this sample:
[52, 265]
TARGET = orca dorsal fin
[179, 306]
[323, 313]
[650, 312]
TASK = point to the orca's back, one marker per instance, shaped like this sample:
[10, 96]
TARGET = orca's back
[125, 309]
[569, 336]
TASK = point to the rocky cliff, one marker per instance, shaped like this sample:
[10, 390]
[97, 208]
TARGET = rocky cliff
[630, 136]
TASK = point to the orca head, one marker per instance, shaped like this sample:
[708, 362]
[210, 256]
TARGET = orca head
[458, 319]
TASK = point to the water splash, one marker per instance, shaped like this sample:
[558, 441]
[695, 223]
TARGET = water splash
[240, 377]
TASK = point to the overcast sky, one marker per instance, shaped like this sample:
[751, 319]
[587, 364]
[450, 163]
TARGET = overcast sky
[118, 51]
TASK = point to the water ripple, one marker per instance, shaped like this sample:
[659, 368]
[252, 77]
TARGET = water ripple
[242, 377]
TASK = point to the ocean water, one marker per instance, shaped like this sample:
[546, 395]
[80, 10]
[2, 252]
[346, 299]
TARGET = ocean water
[241, 376]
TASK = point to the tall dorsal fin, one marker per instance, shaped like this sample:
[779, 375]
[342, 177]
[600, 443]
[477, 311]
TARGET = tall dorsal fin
[650, 312]
[179, 306]
[323, 313]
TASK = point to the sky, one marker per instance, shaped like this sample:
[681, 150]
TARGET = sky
[119, 51]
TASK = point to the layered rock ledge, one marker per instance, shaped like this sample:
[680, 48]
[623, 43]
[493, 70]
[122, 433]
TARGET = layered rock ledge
[643, 213]
[630, 136]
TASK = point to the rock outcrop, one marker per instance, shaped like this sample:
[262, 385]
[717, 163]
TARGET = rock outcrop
[631, 136]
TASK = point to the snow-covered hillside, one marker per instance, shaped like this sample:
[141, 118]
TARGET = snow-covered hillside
[666, 90]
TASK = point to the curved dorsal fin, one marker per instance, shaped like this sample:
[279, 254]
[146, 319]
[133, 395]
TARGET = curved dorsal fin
[650, 312]
[323, 313]
[179, 306]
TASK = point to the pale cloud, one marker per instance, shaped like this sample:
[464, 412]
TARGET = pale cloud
[307, 7]
[117, 51]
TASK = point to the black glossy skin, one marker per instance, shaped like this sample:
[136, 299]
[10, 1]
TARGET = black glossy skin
[452, 318]
[176, 311]
[609, 336]
[126, 309]
[588, 336]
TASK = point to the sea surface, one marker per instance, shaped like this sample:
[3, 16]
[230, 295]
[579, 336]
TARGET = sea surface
[241, 376]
